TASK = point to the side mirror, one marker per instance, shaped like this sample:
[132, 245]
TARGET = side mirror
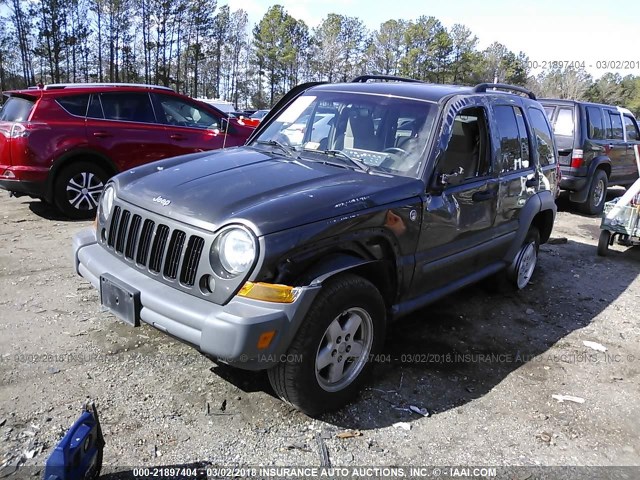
[444, 178]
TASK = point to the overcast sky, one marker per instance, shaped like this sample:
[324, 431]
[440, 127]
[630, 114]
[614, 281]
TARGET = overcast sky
[586, 31]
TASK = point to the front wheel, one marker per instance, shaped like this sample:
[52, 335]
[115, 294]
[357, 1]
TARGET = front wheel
[77, 189]
[331, 351]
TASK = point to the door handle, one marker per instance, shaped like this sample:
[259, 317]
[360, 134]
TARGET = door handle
[177, 136]
[484, 195]
[611, 146]
[101, 134]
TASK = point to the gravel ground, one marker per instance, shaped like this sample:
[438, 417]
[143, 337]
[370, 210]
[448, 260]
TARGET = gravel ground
[484, 365]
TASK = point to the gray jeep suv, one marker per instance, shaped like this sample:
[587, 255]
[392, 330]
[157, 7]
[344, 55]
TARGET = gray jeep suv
[293, 253]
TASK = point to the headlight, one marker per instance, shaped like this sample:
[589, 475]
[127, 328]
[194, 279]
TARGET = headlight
[236, 250]
[106, 203]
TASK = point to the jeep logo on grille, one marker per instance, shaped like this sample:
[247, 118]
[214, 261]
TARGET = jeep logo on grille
[162, 201]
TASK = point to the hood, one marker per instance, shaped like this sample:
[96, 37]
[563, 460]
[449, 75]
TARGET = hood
[265, 191]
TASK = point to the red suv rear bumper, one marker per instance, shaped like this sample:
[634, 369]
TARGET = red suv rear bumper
[24, 180]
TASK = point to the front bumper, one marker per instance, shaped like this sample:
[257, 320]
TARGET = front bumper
[230, 332]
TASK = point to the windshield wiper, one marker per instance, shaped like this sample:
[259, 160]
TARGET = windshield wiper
[340, 154]
[274, 143]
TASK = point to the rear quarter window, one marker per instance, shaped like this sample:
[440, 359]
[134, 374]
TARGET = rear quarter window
[631, 128]
[75, 105]
[16, 109]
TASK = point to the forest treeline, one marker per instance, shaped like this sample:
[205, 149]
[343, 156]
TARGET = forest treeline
[205, 50]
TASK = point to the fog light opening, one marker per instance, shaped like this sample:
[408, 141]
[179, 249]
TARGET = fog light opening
[207, 284]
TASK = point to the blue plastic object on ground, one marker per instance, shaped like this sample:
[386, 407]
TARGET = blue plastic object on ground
[79, 454]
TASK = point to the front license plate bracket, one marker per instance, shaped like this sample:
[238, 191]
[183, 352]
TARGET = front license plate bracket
[120, 299]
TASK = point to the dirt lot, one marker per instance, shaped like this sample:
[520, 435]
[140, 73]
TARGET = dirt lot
[485, 365]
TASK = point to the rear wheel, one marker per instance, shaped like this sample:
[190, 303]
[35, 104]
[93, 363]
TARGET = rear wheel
[597, 193]
[603, 243]
[329, 357]
[521, 270]
[77, 189]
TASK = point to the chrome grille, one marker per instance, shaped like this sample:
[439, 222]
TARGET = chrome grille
[155, 247]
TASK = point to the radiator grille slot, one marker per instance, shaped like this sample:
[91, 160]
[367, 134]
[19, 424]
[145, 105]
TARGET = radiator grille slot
[157, 250]
[145, 242]
[191, 261]
[114, 226]
[132, 238]
[122, 230]
[173, 254]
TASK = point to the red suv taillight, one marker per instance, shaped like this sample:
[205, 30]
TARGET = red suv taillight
[577, 158]
[21, 130]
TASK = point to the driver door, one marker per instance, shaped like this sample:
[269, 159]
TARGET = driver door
[456, 234]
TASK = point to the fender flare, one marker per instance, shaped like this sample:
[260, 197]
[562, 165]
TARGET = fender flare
[580, 196]
[538, 203]
[66, 159]
[337, 263]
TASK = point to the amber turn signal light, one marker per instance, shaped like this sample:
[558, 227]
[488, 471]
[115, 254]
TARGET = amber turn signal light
[269, 292]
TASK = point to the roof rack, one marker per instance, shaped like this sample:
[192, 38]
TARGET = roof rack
[482, 88]
[387, 78]
[59, 86]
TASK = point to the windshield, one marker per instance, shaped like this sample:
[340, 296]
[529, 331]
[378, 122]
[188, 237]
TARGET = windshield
[372, 132]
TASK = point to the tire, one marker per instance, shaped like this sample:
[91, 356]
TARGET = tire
[77, 189]
[323, 336]
[603, 243]
[521, 270]
[597, 194]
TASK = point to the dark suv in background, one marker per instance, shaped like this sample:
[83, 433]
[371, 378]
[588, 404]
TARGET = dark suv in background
[293, 253]
[61, 143]
[596, 145]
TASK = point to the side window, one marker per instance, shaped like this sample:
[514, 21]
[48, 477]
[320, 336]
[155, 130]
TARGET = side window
[564, 124]
[180, 113]
[95, 108]
[544, 143]
[466, 155]
[549, 112]
[631, 129]
[616, 126]
[75, 105]
[608, 130]
[524, 139]
[127, 107]
[514, 156]
[594, 120]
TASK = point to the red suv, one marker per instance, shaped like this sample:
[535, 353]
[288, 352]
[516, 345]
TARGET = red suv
[61, 143]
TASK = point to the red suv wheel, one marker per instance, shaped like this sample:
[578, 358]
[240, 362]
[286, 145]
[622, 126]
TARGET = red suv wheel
[77, 189]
